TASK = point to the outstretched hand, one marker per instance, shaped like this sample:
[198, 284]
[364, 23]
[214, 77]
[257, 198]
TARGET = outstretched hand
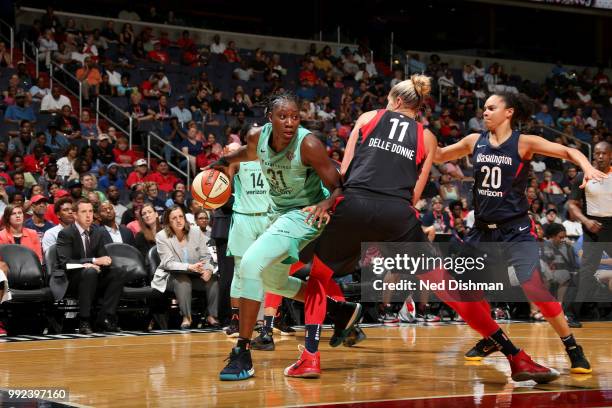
[592, 173]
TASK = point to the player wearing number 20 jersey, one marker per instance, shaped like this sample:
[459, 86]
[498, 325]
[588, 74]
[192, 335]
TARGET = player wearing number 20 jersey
[500, 203]
[501, 177]
[501, 161]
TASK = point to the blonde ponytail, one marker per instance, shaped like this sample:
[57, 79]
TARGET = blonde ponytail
[422, 84]
[412, 91]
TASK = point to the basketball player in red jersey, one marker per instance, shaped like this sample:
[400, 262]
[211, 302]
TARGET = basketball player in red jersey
[501, 159]
[386, 166]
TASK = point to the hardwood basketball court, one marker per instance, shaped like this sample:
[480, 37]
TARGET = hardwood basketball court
[415, 366]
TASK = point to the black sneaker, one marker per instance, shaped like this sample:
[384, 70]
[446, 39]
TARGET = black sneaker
[573, 322]
[85, 327]
[282, 328]
[355, 336]
[239, 366]
[580, 364]
[347, 314]
[232, 330]
[263, 341]
[483, 348]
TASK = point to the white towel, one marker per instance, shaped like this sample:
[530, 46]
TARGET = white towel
[7, 293]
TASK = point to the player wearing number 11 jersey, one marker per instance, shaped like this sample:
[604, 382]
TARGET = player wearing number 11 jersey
[501, 158]
[386, 166]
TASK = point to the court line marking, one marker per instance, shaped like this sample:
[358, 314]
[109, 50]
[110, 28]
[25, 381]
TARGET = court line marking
[230, 340]
[535, 391]
[107, 345]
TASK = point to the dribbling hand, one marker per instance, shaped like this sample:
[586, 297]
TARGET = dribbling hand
[221, 165]
[318, 212]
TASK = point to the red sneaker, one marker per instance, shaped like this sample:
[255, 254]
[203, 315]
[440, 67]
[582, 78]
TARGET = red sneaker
[2, 330]
[524, 368]
[307, 366]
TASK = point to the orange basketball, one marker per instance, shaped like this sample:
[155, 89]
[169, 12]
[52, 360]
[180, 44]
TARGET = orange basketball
[211, 188]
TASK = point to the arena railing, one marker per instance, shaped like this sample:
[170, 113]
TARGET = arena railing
[26, 15]
[75, 87]
[574, 138]
[29, 51]
[151, 151]
[10, 39]
[106, 109]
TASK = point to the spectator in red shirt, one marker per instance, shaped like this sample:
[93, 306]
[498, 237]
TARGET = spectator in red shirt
[548, 185]
[150, 88]
[308, 74]
[158, 55]
[50, 214]
[163, 177]
[185, 42]
[37, 161]
[124, 157]
[4, 174]
[231, 53]
[206, 157]
[139, 174]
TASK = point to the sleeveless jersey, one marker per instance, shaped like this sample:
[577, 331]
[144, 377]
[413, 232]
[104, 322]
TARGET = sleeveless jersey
[388, 156]
[292, 184]
[500, 180]
[251, 189]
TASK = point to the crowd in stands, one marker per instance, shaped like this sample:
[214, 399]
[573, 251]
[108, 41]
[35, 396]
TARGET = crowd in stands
[201, 97]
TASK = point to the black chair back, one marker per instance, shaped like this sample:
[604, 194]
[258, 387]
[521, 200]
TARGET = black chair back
[50, 260]
[25, 270]
[154, 260]
[130, 261]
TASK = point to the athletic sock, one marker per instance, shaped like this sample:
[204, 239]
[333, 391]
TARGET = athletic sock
[243, 344]
[269, 324]
[569, 342]
[503, 343]
[313, 334]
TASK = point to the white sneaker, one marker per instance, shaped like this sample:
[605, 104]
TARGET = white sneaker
[407, 313]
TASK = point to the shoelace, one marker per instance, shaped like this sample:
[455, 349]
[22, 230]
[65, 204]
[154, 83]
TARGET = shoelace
[232, 359]
[298, 363]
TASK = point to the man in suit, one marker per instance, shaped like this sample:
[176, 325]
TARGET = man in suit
[116, 233]
[222, 218]
[83, 243]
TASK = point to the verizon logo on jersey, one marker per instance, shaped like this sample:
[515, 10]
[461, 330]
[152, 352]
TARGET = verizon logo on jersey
[392, 147]
[493, 158]
[489, 193]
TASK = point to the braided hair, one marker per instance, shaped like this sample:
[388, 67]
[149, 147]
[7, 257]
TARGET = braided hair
[279, 99]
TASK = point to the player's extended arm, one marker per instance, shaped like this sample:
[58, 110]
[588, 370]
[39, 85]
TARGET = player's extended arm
[243, 154]
[457, 150]
[539, 145]
[314, 155]
[349, 152]
[431, 145]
